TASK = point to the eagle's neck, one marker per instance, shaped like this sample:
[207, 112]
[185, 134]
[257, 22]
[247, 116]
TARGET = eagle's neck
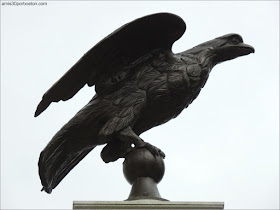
[203, 57]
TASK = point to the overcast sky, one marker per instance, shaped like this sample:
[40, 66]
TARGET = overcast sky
[224, 147]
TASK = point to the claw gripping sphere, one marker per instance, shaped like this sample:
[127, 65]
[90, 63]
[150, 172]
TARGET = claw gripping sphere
[142, 163]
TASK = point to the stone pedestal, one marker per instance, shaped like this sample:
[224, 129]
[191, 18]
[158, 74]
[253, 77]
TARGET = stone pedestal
[145, 204]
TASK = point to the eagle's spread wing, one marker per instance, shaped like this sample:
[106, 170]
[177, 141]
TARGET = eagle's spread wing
[103, 65]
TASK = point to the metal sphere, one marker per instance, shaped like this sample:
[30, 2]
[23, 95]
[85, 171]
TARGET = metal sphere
[142, 163]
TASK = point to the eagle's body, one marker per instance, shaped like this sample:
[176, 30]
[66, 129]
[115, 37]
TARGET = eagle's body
[136, 90]
[168, 86]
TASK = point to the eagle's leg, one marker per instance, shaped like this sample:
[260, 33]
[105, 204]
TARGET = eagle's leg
[128, 134]
[115, 149]
[123, 143]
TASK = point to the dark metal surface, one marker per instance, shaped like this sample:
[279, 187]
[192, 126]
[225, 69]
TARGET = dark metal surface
[143, 171]
[140, 83]
[144, 188]
[142, 163]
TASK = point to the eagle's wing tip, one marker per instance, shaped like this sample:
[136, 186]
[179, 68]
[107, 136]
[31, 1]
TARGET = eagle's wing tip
[46, 190]
[42, 106]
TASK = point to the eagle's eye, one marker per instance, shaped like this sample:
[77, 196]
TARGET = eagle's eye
[235, 40]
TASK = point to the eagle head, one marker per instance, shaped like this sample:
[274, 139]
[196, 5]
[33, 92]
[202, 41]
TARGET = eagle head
[226, 47]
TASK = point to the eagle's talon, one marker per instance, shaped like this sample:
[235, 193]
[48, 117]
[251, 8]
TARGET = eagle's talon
[154, 150]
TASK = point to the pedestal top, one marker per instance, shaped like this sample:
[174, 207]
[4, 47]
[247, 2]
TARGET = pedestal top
[145, 204]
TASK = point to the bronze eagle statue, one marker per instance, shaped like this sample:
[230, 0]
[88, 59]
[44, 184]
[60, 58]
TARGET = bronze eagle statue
[139, 82]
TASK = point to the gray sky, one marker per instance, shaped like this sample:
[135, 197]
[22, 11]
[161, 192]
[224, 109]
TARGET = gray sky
[224, 147]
